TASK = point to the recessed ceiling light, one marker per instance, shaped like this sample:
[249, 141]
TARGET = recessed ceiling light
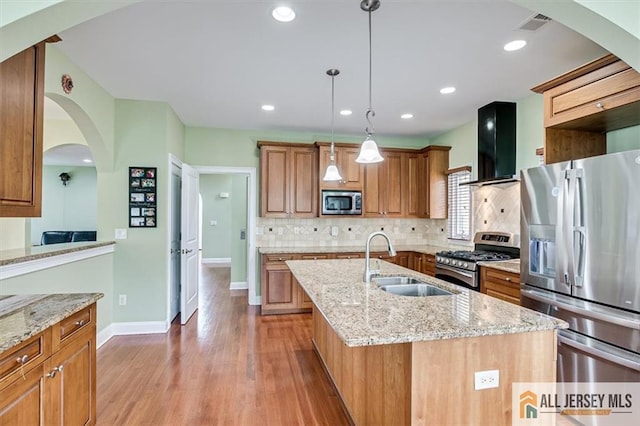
[87, 160]
[283, 14]
[268, 107]
[406, 116]
[447, 90]
[515, 45]
[346, 112]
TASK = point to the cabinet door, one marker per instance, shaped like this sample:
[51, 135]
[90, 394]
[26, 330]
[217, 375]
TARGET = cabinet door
[352, 172]
[21, 103]
[22, 401]
[280, 291]
[372, 205]
[391, 188]
[429, 264]
[71, 384]
[412, 204]
[423, 186]
[274, 181]
[303, 182]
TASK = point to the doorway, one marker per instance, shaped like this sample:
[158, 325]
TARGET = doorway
[175, 213]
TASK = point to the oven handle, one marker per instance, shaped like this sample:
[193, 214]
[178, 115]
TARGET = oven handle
[610, 318]
[457, 271]
[598, 353]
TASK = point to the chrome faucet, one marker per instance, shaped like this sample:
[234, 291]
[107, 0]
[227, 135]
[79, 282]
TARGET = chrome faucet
[368, 273]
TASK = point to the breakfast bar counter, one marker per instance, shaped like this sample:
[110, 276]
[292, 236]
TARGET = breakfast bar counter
[398, 359]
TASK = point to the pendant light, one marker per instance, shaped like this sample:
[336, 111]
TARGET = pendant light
[332, 173]
[369, 150]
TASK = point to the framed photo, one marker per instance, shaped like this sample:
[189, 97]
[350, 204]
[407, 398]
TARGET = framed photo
[142, 197]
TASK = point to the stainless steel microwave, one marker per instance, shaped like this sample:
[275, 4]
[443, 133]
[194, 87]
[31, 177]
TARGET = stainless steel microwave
[341, 202]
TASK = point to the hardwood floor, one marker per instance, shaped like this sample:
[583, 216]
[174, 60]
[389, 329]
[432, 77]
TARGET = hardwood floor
[227, 366]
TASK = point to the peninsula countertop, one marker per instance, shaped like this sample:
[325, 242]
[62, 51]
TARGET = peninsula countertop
[24, 316]
[362, 314]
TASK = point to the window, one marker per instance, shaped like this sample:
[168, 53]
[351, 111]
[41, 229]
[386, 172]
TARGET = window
[459, 217]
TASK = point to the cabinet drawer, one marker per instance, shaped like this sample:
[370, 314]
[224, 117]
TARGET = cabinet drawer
[314, 256]
[502, 277]
[79, 321]
[25, 356]
[275, 258]
[349, 255]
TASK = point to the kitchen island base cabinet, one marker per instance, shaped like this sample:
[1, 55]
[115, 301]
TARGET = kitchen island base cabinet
[432, 382]
[56, 382]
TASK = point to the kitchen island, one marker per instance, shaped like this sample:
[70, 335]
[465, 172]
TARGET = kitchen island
[48, 358]
[411, 360]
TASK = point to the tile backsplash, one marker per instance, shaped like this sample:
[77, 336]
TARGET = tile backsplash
[317, 232]
[497, 208]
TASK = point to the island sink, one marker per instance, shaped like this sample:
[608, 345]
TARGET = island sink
[408, 286]
[415, 290]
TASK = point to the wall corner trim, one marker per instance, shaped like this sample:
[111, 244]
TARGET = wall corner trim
[217, 262]
[238, 285]
[130, 328]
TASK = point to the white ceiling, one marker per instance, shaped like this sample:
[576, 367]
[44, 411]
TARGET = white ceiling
[216, 62]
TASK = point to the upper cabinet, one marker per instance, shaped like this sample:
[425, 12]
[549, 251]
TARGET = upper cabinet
[345, 156]
[581, 105]
[288, 180]
[21, 118]
[385, 186]
[431, 187]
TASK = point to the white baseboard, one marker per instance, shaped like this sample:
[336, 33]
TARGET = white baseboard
[128, 328]
[239, 285]
[216, 262]
[256, 300]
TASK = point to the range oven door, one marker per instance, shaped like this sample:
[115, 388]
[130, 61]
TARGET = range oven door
[583, 359]
[452, 275]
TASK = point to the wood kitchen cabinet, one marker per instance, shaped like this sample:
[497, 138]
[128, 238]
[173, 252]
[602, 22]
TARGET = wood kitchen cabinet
[51, 378]
[384, 186]
[345, 156]
[500, 284]
[581, 105]
[21, 122]
[431, 184]
[423, 263]
[288, 180]
[281, 293]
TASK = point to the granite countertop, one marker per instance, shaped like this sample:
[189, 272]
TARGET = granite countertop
[10, 257]
[24, 316]
[512, 265]
[362, 314]
[423, 248]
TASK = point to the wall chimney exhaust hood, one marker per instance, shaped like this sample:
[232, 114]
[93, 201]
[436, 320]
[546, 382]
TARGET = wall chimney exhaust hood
[496, 144]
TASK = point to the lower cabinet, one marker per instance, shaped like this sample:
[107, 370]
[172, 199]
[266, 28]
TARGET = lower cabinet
[51, 378]
[423, 263]
[500, 284]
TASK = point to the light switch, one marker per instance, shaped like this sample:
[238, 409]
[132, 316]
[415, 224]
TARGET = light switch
[334, 231]
[213, 222]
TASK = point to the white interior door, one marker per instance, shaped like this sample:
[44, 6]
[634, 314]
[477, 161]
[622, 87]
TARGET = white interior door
[176, 258]
[189, 265]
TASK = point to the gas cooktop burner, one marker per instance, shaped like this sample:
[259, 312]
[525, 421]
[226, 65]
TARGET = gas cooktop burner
[474, 256]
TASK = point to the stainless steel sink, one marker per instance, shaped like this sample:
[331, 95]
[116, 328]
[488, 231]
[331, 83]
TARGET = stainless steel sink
[384, 281]
[415, 290]
[409, 286]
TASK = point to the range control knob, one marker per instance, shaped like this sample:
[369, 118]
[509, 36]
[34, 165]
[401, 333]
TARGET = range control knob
[446, 261]
[465, 265]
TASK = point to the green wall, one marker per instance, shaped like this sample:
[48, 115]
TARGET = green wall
[623, 139]
[216, 239]
[93, 275]
[66, 208]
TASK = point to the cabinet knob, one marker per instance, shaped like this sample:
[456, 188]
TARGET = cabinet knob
[280, 258]
[22, 359]
[53, 372]
[599, 105]
[80, 323]
[507, 278]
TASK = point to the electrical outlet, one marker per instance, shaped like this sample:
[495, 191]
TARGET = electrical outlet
[122, 299]
[334, 231]
[487, 379]
[296, 230]
[120, 234]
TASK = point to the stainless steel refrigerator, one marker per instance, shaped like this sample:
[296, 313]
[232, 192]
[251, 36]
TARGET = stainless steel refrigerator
[580, 261]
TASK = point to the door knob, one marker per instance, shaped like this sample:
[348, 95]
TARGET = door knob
[188, 251]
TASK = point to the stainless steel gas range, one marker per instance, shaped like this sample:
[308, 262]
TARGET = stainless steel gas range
[460, 267]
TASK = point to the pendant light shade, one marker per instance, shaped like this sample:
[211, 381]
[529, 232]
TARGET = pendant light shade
[332, 174]
[369, 150]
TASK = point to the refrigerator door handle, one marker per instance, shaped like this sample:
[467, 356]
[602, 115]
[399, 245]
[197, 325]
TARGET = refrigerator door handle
[579, 232]
[599, 353]
[601, 316]
[568, 224]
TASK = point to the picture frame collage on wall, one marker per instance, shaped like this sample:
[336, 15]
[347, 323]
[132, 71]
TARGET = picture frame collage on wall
[142, 197]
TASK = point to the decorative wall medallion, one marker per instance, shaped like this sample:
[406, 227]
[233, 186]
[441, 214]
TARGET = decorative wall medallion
[67, 83]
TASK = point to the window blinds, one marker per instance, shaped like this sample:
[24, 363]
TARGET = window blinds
[459, 217]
